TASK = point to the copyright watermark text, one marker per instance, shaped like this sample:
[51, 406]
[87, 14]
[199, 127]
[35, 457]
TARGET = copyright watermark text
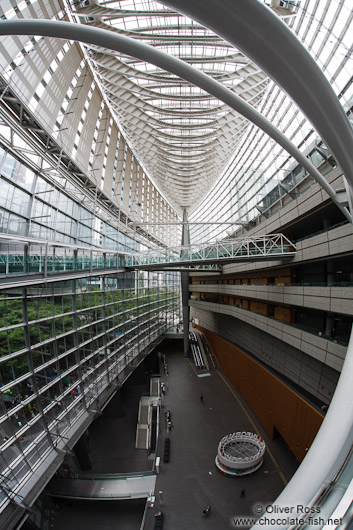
[273, 515]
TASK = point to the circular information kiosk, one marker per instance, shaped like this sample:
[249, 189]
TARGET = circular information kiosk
[240, 453]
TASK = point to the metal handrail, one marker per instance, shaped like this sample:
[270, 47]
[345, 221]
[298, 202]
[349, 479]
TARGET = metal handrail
[263, 246]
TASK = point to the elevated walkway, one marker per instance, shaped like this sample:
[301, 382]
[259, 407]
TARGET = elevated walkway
[275, 246]
[41, 261]
[104, 487]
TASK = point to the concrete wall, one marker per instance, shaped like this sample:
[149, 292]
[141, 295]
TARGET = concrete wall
[333, 299]
[330, 244]
[311, 361]
[287, 209]
[295, 354]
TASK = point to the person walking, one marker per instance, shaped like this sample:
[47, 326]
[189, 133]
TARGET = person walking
[207, 511]
[242, 493]
[201, 399]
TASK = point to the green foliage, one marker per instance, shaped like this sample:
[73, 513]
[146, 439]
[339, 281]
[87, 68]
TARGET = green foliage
[54, 315]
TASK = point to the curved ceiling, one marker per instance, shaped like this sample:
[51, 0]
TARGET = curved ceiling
[183, 136]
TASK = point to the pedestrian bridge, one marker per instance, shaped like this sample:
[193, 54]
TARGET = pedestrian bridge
[25, 260]
[274, 246]
[104, 487]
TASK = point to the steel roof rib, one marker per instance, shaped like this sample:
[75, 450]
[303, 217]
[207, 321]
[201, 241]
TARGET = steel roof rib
[183, 136]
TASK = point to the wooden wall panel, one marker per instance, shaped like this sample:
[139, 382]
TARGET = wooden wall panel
[258, 307]
[285, 314]
[283, 280]
[272, 401]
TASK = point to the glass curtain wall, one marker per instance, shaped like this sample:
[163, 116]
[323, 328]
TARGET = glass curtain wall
[63, 343]
[61, 346]
[261, 172]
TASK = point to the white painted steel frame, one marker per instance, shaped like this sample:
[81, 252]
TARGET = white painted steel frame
[252, 27]
[117, 357]
[59, 163]
[257, 247]
[325, 29]
[304, 485]
[99, 37]
[240, 461]
[156, 109]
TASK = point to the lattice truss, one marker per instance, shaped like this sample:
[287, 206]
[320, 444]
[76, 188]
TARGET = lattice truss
[183, 136]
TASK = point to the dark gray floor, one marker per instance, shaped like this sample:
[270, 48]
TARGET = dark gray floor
[98, 515]
[112, 439]
[190, 481]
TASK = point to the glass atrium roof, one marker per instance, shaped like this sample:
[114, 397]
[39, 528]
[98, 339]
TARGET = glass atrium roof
[194, 147]
[186, 138]
[189, 136]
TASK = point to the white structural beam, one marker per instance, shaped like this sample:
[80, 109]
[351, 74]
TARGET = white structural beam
[129, 46]
[254, 29]
[274, 246]
[192, 223]
[262, 36]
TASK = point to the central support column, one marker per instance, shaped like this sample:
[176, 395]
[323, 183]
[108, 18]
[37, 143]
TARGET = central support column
[185, 241]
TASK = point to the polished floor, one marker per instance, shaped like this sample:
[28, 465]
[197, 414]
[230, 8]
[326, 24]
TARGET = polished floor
[189, 481]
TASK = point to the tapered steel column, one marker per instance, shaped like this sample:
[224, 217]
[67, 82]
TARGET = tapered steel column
[254, 29]
[185, 241]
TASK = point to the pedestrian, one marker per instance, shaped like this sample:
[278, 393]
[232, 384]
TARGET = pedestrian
[207, 511]
[201, 399]
[242, 493]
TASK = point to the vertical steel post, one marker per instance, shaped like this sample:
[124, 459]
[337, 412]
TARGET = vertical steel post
[184, 276]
